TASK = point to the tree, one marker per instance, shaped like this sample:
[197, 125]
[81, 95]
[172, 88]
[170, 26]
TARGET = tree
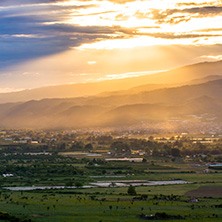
[62, 146]
[69, 183]
[131, 190]
[151, 138]
[77, 145]
[88, 146]
[120, 147]
[78, 184]
[175, 152]
[155, 152]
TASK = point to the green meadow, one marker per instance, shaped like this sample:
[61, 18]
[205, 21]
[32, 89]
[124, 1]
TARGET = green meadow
[110, 204]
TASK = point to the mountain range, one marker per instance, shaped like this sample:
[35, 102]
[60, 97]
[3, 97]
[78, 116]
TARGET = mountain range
[191, 74]
[195, 90]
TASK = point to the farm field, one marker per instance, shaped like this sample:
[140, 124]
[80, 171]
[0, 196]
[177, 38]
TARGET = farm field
[114, 203]
[50, 186]
[110, 204]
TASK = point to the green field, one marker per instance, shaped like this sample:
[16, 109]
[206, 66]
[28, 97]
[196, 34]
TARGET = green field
[104, 204]
[111, 204]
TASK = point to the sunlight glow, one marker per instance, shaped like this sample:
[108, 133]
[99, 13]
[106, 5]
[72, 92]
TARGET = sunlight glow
[215, 57]
[141, 14]
[131, 74]
[91, 62]
[148, 41]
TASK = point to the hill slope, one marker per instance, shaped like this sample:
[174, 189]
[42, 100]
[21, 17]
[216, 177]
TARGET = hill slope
[175, 77]
[157, 105]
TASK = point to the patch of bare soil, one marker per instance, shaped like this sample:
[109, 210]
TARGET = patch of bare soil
[39, 215]
[206, 191]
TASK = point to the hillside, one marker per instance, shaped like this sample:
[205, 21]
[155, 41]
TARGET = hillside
[175, 77]
[172, 95]
[156, 105]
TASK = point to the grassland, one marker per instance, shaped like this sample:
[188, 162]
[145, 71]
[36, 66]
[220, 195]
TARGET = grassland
[107, 204]
[102, 204]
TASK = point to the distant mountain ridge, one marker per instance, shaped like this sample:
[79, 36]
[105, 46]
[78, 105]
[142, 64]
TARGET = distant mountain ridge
[175, 77]
[95, 111]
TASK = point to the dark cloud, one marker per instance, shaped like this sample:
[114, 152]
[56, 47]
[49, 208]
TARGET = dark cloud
[162, 16]
[171, 35]
[48, 12]
[168, 16]
[32, 31]
[115, 1]
[66, 28]
[96, 13]
[206, 10]
[25, 2]
[121, 1]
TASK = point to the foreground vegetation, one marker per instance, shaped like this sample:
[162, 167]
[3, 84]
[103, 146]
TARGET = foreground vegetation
[106, 205]
[76, 167]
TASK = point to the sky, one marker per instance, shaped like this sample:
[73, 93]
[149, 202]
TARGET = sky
[53, 42]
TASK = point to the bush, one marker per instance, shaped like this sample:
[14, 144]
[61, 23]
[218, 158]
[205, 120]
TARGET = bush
[131, 190]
